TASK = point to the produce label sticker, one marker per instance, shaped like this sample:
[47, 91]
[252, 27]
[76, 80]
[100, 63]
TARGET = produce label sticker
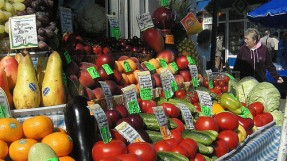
[187, 116]
[162, 121]
[66, 19]
[162, 63]
[4, 105]
[127, 66]
[245, 112]
[102, 121]
[145, 83]
[144, 21]
[230, 76]
[190, 60]
[108, 69]
[205, 102]
[209, 78]
[174, 66]
[149, 66]
[169, 39]
[52, 159]
[194, 74]
[166, 83]
[67, 57]
[130, 97]
[129, 133]
[23, 32]
[93, 72]
[191, 24]
[107, 93]
[164, 2]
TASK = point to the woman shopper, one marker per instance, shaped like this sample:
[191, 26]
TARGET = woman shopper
[253, 58]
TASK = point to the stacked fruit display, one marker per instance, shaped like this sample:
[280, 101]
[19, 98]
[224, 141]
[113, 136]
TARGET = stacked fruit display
[34, 140]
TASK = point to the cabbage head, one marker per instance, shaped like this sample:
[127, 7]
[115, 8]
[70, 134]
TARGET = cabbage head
[267, 94]
[278, 117]
[244, 86]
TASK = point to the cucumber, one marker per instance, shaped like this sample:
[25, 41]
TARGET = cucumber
[203, 149]
[174, 101]
[155, 136]
[207, 158]
[151, 123]
[211, 133]
[199, 137]
[170, 156]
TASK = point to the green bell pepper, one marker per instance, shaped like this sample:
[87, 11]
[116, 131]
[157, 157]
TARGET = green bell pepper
[231, 103]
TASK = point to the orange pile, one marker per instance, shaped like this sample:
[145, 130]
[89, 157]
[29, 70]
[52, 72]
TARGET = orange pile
[16, 139]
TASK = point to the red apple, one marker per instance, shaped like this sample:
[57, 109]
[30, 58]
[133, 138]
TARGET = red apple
[97, 50]
[115, 90]
[185, 74]
[103, 74]
[85, 79]
[88, 49]
[179, 80]
[122, 110]
[85, 65]
[153, 38]
[80, 49]
[157, 79]
[10, 66]
[118, 76]
[117, 136]
[106, 50]
[182, 62]
[79, 39]
[167, 55]
[112, 116]
[105, 59]
[98, 92]
[87, 92]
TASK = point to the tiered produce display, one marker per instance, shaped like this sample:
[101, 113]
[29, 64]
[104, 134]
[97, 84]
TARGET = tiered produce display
[122, 106]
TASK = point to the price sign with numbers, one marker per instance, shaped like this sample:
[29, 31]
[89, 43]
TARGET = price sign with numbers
[127, 66]
[173, 83]
[67, 57]
[130, 97]
[166, 83]
[194, 74]
[205, 102]
[187, 116]
[129, 133]
[190, 60]
[162, 121]
[4, 105]
[66, 18]
[169, 39]
[116, 33]
[93, 72]
[102, 122]
[144, 21]
[107, 93]
[107, 69]
[210, 78]
[145, 83]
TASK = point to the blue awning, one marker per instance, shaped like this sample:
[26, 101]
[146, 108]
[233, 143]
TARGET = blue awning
[200, 5]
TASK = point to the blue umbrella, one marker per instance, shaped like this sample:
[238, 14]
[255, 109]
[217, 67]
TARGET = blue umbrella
[272, 14]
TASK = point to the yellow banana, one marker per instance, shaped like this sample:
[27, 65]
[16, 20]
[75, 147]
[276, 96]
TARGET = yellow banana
[241, 132]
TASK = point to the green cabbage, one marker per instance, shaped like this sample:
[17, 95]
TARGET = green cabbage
[267, 94]
[278, 117]
[244, 86]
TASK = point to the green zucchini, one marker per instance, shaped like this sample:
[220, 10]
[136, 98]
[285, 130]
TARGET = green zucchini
[151, 123]
[211, 133]
[170, 156]
[155, 136]
[199, 137]
[203, 149]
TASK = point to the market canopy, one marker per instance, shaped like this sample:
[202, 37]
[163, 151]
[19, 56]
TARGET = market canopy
[272, 14]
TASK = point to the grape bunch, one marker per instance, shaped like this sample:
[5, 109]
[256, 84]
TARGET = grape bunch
[9, 8]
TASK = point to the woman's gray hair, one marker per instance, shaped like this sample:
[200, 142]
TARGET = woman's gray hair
[253, 33]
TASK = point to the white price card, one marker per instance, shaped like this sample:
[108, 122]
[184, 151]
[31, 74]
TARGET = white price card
[23, 32]
[166, 83]
[144, 21]
[194, 74]
[130, 97]
[107, 93]
[162, 121]
[129, 133]
[209, 77]
[102, 122]
[66, 19]
[113, 20]
[145, 83]
[187, 116]
[4, 105]
[205, 102]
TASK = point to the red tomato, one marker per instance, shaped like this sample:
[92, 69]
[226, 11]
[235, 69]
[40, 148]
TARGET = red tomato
[162, 146]
[170, 110]
[258, 121]
[226, 79]
[180, 126]
[230, 137]
[180, 94]
[197, 106]
[110, 159]
[258, 106]
[193, 99]
[224, 89]
[190, 146]
[112, 149]
[199, 157]
[252, 111]
[172, 142]
[215, 82]
[145, 105]
[117, 136]
[205, 83]
[176, 135]
[206, 123]
[268, 116]
[221, 83]
[227, 121]
[217, 89]
[150, 111]
[144, 150]
[180, 150]
[129, 157]
[220, 148]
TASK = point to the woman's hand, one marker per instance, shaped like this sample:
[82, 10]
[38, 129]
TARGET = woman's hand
[280, 80]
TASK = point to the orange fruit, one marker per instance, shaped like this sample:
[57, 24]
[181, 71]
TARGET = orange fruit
[58, 129]
[10, 129]
[3, 149]
[19, 149]
[66, 158]
[38, 127]
[217, 108]
[60, 142]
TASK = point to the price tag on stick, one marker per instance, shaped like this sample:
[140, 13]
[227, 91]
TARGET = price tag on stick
[210, 78]
[205, 102]
[114, 24]
[129, 133]
[67, 57]
[144, 21]
[145, 83]
[93, 72]
[130, 97]
[162, 121]
[194, 74]
[166, 83]
[108, 69]
[102, 121]
[4, 105]
[107, 93]
[187, 116]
